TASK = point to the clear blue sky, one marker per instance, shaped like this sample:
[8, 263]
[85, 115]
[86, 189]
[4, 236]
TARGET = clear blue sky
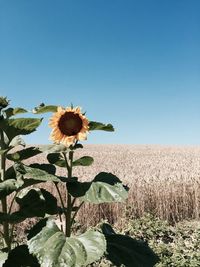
[135, 64]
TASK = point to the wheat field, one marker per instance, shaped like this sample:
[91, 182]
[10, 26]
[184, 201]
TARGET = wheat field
[163, 180]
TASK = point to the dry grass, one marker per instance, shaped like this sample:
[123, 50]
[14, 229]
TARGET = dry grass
[163, 180]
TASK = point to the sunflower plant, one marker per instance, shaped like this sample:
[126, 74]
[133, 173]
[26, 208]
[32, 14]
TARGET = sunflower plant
[49, 245]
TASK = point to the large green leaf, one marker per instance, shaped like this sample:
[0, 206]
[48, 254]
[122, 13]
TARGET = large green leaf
[3, 258]
[17, 141]
[23, 154]
[7, 187]
[125, 250]
[93, 125]
[36, 228]
[107, 177]
[33, 174]
[49, 168]
[20, 126]
[26, 182]
[44, 109]
[53, 249]
[32, 203]
[100, 192]
[36, 202]
[20, 257]
[105, 187]
[76, 188]
[83, 161]
[14, 182]
[14, 111]
[40, 172]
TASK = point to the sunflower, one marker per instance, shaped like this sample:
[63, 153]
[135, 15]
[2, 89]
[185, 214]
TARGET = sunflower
[69, 125]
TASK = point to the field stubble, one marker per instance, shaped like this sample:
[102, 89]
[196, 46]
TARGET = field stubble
[163, 181]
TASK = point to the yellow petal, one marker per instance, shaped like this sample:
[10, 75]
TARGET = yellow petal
[81, 136]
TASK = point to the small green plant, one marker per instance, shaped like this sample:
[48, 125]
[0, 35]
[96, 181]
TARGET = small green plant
[48, 245]
[176, 246]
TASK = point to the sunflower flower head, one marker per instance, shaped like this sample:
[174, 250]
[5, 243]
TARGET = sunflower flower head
[68, 126]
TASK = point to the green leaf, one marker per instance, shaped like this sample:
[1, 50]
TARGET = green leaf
[34, 174]
[53, 249]
[4, 102]
[53, 148]
[24, 183]
[15, 217]
[17, 141]
[20, 126]
[100, 192]
[7, 187]
[14, 111]
[105, 188]
[36, 228]
[76, 146]
[77, 189]
[56, 158]
[44, 109]
[32, 203]
[3, 218]
[6, 140]
[24, 154]
[44, 167]
[19, 110]
[2, 151]
[125, 250]
[93, 125]
[36, 202]
[20, 257]
[40, 172]
[83, 161]
[107, 177]
[3, 258]
[10, 173]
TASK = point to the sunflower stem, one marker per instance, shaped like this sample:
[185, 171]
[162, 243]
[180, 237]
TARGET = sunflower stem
[4, 200]
[66, 161]
[11, 234]
[69, 198]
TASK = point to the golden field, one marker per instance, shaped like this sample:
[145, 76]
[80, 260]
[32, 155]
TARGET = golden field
[163, 180]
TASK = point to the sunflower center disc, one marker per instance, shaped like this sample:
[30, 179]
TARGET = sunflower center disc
[70, 124]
